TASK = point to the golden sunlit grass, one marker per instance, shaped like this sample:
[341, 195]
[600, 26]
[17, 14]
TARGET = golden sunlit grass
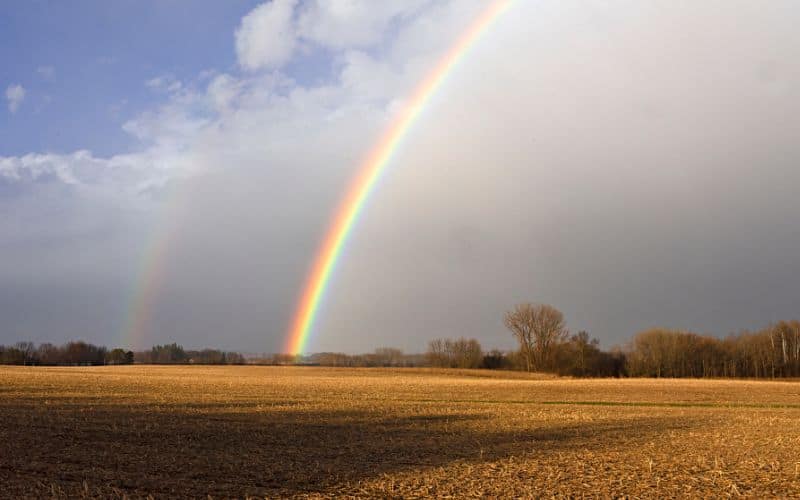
[280, 431]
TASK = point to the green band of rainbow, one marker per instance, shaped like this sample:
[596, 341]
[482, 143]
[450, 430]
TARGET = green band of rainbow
[353, 203]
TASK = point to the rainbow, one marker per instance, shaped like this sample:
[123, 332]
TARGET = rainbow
[368, 175]
[151, 273]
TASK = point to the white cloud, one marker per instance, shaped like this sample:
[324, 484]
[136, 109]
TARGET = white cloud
[365, 76]
[266, 36]
[270, 33]
[123, 177]
[164, 83]
[352, 23]
[15, 94]
[46, 72]
[222, 91]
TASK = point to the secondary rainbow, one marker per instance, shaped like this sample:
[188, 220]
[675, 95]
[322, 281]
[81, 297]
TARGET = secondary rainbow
[367, 177]
[149, 278]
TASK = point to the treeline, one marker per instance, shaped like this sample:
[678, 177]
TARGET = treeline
[85, 354]
[385, 357]
[771, 352]
[575, 355]
[545, 345]
[176, 354]
[455, 353]
[70, 354]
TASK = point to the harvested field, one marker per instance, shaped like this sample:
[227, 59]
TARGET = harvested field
[273, 431]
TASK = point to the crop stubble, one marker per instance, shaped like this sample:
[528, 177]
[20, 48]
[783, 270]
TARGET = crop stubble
[294, 431]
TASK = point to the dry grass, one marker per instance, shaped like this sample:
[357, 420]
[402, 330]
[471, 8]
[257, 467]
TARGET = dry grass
[264, 431]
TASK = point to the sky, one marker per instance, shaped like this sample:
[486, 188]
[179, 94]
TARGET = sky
[632, 163]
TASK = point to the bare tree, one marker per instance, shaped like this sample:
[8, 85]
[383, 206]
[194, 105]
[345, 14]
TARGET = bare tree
[584, 347]
[467, 353]
[437, 354]
[388, 356]
[454, 353]
[28, 350]
[537, 328]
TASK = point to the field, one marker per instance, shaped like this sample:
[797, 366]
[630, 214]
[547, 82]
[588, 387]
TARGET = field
[271, 431]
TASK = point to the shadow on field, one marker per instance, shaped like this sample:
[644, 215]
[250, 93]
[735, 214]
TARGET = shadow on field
[250, 450]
